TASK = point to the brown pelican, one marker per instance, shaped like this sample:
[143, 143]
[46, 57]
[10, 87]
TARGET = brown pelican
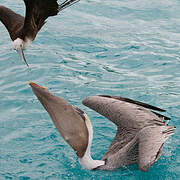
[140, 135]
[23, 30]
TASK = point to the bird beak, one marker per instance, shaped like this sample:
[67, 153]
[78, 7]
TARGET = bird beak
[21, 54]
[69, 123]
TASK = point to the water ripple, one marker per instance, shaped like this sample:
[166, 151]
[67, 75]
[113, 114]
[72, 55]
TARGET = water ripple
[127, 48]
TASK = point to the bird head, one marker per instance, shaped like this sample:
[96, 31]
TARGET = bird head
[69, 123]
[18, 45]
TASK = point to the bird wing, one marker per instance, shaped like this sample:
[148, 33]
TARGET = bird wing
[130, 117]
[151, 140]
[145, 105]
[145, 149]
[148, 106]
[124, 114]
[12, 21]
[67, 3]
[123, 150]
[37, 11]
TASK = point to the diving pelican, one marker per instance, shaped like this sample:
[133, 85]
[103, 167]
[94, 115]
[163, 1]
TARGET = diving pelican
[140, 136]
[23, 30]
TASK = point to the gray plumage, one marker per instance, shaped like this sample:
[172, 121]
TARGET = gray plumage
[140, 132]
[140, 135]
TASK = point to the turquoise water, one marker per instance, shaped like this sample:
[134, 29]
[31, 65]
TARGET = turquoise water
[121, 47]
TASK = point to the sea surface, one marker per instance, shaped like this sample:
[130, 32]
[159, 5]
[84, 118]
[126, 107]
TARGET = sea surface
[129, 48]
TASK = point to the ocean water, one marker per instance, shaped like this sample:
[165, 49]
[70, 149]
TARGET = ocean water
[121, 47]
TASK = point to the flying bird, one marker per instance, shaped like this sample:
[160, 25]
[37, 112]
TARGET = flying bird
[23, 30]
[140, 136]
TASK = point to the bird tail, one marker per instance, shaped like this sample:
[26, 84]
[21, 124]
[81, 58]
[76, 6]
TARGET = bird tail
[67, 3]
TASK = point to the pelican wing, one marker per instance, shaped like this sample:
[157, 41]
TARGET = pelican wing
[148, 106]
[151, 140]
[134, 102]
[123, 150]
[145, 148]
[124, 114]
[130, 118]
[162, 116]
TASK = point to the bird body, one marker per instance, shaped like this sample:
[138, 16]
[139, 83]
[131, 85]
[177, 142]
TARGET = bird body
[140, 135]
[23, 30]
